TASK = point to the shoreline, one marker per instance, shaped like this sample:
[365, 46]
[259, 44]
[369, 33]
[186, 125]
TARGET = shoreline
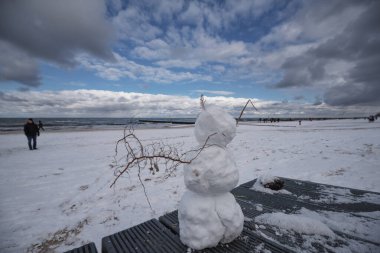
[97, 128]
[17, 132]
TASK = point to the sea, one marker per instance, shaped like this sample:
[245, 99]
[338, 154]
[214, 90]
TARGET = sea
[14, 125]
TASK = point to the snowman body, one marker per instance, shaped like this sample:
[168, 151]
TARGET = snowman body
[208, 213]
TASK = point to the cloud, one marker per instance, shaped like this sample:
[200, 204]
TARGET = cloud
[98, 103]
[10, 98]
[299, 97]
[209, 14]
[345, 65]
[313, 21]
[191, 64]
[318, 100]
[134, 24]
[215, 92]
[157, 37]
[16, 65]
[189, 35]
[195, 46]
[222, 15]
[76, 84]
[327, 47]
[124, 68]
[54, 31]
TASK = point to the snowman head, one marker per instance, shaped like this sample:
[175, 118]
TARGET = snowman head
[216, 125]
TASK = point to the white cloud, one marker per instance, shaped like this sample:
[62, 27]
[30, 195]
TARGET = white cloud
[165, 10]
[100, 103]
[124, 68]
[193, 14]
[215, 92]
[191, 64]
[153, 50]
[174, 34]
[191, 45]
[133, 24]
[216, 49]
[216, 15]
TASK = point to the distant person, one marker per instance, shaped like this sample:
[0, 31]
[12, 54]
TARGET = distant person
[299, 122]
[40, 125]
[31, 131]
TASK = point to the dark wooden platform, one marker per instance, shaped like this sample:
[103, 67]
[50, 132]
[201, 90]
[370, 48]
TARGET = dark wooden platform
[340, 207]
[88, 248]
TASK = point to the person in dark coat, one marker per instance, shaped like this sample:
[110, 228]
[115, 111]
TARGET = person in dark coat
[31, 131]
[40, 125]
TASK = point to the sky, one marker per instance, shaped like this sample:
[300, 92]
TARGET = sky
[142, 58]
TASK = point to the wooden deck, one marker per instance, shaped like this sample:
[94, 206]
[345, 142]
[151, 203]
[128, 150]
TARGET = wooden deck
[352, 215]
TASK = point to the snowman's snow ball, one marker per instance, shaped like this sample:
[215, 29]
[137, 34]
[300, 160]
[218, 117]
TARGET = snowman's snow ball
[217, 124]
[213, 171]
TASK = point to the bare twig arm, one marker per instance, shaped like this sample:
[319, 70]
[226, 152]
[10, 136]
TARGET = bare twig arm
[242, 111]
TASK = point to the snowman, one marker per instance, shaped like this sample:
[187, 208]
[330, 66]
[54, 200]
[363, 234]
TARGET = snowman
[208, 213]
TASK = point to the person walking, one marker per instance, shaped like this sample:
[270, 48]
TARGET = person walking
[40, 125]
[31, 131]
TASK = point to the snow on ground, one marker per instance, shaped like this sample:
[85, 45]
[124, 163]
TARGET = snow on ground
[59, 196]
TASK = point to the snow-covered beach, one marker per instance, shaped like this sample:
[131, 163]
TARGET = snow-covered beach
[59, 196]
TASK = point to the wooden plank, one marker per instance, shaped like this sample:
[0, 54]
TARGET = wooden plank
[169, 121]
[88, 248]
[275, 202]
[150, 236]
[326, 197]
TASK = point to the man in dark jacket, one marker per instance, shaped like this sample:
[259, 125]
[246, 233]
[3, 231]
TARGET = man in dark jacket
[31, 131]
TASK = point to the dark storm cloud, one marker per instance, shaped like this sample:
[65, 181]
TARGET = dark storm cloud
[18, 66]
[51, 30]
[358, 44]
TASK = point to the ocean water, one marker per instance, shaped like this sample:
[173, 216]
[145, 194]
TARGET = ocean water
[12, 125]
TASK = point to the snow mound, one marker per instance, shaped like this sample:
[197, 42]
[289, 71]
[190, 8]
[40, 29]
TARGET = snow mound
[362, 227]
[296, 222]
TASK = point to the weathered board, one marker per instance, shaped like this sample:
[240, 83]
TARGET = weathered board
[88, 248]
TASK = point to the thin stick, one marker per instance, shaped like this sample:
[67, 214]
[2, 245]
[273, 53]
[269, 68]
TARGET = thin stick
[141, 156]
[203, 102]
[241, 113]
